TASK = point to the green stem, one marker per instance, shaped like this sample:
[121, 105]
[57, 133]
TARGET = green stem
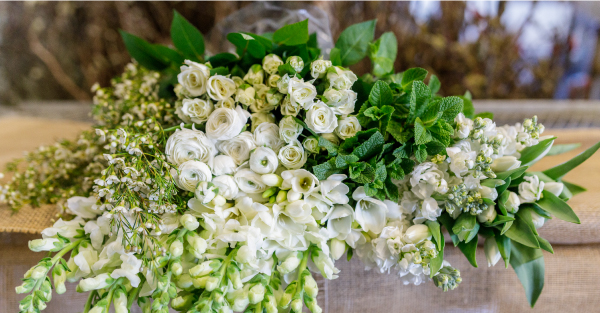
[111, 291]
[55, 259]
[88, 303]
[135, 292]
[301, 268]
[170, 129]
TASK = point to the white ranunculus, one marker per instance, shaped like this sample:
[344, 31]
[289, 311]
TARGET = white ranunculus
[223, 165]
[334, 189]
[492, 253]
[193, 78]
[531, 189]
[84, 207]
[460, 162]
[554, 187]
[266, 134]
[186, 144]
[289, 108]
[197, 110]
[463, 126]
[261, 117]
[189, 222]
[228, 103]
[292, 156]
[190, 174]
[205, 192]
[321, 119]
[369, 213]
[289, 129]
[340, 78]
[239, 147]
[255, 75]
[224, 124]
[263, 160]
[333, 97]
[227, 186]
[220, 87]
[245, 95]
[311, 144]
[301, 92]
[283, 84]
[296, 62]
[129, 269]
[416, 233]
[271, 63]
[347, 127]
[249, 182]
[505, 163]
[319, 67]
[300, 181]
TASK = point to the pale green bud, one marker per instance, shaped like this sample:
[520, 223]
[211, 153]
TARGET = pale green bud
[296, 305]
[48, 244]
[417, 233]
[271, 304]
[240, 302]
[39, 272]
[97, 309]
[197, 245]
[218, 296]
[337, 247]
[200, 282]
[185, 281]
[144, 304]
[212, 283]
[281, 196]
[176, 268]
[310, 286]
[286, 298]
[274, 97]
[488, 215]
[233, 274]
[219, 200]
[313, 306]
[256, 294]
[296, 62]
[94, 283]
[311, 144]
[272, 180]
[59, 275]
[26, 287]
[189, 221]
[205, 268]
[290, 263]
[120, 301]
[176, 248]
[255, 75]
[181, 303]
[492, 253]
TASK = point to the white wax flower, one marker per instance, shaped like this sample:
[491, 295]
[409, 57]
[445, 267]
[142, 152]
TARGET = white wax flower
[334, 189]
[347, 127]
[369, 212]
[319, 67]
[84, 207]
[271, 63]
[283, 84]
[94, 283]
[263, 160]
[531, 189]
[340, 78]
[296, 62]
[266, 134]
[289, 108]
[189, 222]
[301, 92]
[488, 215]
[227, 186]
[292, 156]
[190, 174]
[261, 117]
[321, 118]
[464, 126]
[492, 253]
[255, 75]
[224, 124]
[220, 87]
[193, 78]
[301, 181]
[289, 129]
[416, 233]
[311, 144]
[227, 103]
[196, 110]
[249, 182]
[505, 163]
[186, 144]
[205, 192]
[223, 165]
[239, 147]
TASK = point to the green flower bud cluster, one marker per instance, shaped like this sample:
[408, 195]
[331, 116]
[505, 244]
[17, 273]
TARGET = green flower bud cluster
[448, 278]
[165, 289]
[459, 199]
[304, 289]
[532, 128]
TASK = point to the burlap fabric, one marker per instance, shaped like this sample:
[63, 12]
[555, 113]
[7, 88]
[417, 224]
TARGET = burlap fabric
[572, 283]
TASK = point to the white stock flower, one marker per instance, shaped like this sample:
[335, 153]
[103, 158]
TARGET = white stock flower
[220, 87]
[245, 95]
[347, 127]
[370, 212]
[531, 189]
[321, 118]
[84, 207]
[334, 189]
[129, 269]
[255, 75]
[262, 117]
[186, 144]
[292, 156]
[263, 160]
[271, 63]
[300, 181]
[301, 92]
[224, 124]
[460, 162]
[190, 174]
[267, 135]
[508, 145]
[239, 147]
[193, 78]
[223, 165]
[505, 163]
[319, 67]
[340, 78]
[289, 108]
[227, 186]
[249, 182]
[289, 129]
[196, 110]
[463, 126]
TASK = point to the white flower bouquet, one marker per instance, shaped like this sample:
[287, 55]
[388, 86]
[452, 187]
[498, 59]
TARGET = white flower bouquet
[222, 183]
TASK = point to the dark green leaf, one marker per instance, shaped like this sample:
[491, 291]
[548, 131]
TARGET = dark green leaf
[560, 170]
[187, 38]
[522, 233]
[343, 160]
[557, 207]
[563, 148]
[292, 34]
[448, 223]
[532, 154]
[504, 245]
[528, 263]
[335, 57]
[222, 59]
[362, 172]
[144, 52]
[354, 41]
[370, 147]
[468, 108]
[463, 226]
[421, 153]
[469, 249]
[502, 201]
[247, 43]
[500, 189]
[411, 75]
[545, 244]
[422, 135]
[381, 94]
[513, 174]
[219, 71]
[330, 146]
[434, 84]
[169, 55]
[501, 219]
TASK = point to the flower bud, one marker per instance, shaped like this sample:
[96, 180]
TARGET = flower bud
[189, 222]
[296, 305]
[290, 263]
[212, 283]
[26, 287]
[255, 75]
[310, 286]
[197, 245]
[240, 302]
[488, 215]
[144, 304]
[256, 294]
[296, 62]
[176, 268]
[185, 281]
[286, 298]
[176, 248]
[219, 200]
[492, 253]
[205, 268]
[97, 309]
[233, 274]
[59, 276]
[281, 196]
[337, 247]
[245, 254]
[293, 196]
[200, 282]
[181, 303]
[538, 220]
[505, 163]
[94, 283]
[488, 193]
[417, 233]
[272, 180]
[512, 203]
[271, 304]
[120, 301]
[48, 244]
[39, 271]
[554, 187]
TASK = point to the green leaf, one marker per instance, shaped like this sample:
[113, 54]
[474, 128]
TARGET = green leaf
[532, 154]
[330, 146]
[247, 43]
[344, 160]
[312, 41]
[351, 143]
[573, 188]
[395, 128]
[421, 154]
[324, 170]
[563, 148]
[560, 170]
[383, 54]
[187, 38]
[451, 106]
[391, 190]
[492, 183]
[469, 249]
[422, 135]
[219, 71]
[557, 207]
[169, 55]
[464, 225]
[434, 228]
[335, 57]
[381, 94]
[468, 108]
[144, 52]
[502, 201]
[419, 97]
[434, 84]
[489, 115]
[436, 263]
[501, 219]
[500, 189]
[292, 34]
[448, 223]
[370, 147]
[528, 263]
[362, 172]
[411, 75]
[354, 41]
[513, 174]
[504, 245]
[522, 233]
[222, 59]
[545, 244]
[434, 147]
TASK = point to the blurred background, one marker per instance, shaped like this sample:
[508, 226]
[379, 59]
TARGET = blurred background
[494, 49]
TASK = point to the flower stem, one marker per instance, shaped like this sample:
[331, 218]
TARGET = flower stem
[134, 294]
[88, 303]
[170, 129]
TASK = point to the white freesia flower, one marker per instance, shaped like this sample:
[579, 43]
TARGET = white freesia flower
[196, 110]
[187, 144]
[301, 92]
[255, 75]
[321, 118]
[339, 221]
[97, 229]
[223, 165]
[370, 212]
[292, 156]
[249, 182]
[347, 127]
[193, 78]
[337, 247]
[300, 181]
[238, 148]
[463, 126]
[289, 108]
[512, 203]
[227, 186]
[505, 163]
[224, 124]
[245, 95]
[263, 160]
[271, 63]
[289, 129]
[190, 174]
[129, 269]
[319, 67]
[340, 78]
[220, 87]
[531, 189]
[84, 207]
[267, 135]
[334, 189]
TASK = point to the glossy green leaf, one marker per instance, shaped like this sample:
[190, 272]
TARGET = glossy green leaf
[381, 94]
[502, 202]
[335, 57]
[246, 43]
[501, 219]
[434, 228]
[448, 223]
[187, 38]
[557, 207]
[292, 34]
[489, 115]
[411, 75]
[559, 171]
[434, 84]
[513, 174]
[463, 226]
[563, 148]
[532, 154]
[504, 245]
[222, 59]
[469, 249]
[545, 244]
[144, 52]
[573, 188]
[437, 262]
[522, 233]
[383, 54]
[529, 266]
[354, 42]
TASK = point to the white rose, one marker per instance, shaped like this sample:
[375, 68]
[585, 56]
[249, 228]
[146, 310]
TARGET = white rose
[190, 174]
[193, 78]
[224, 124]
[238, 81]
[220, 87]
[239, 147]
[347, 127]
[296, 62]
[197, 110]
[531, 189]
[289, 108]
[271, 63]
[261, 117]
[319, 67]
[505, 163]
[223, 165]
[274, 97]
[331, 137]
[187, 144]
[263, 160]
[227, 186]
[370, 212]
[346, 105]
[311, 144]
[333, 97]
[289, 129]
[261, 91]
[228, 103]
[266, 134]
[283, 84]
[301, 92]
[321, 119]
[261, 106]
[249, 182]
[340, 78]
[273, 80]
[255, 75]
[245, 95]
[292, 156]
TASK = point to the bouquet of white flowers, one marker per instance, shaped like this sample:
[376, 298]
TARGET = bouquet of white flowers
[222, 183]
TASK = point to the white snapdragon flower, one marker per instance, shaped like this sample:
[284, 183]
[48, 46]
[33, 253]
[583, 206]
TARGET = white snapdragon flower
[347, 127]
[267, 135]
[261, 117]
[45, 244]
[296, 62]
[94, 283]
[224, 124]
[84, 207]
[271, 63]
[190, 174]
[460, 161]
[334, 189]
[194, 77]
[300, 181]
[255, 75]
[239, 147]
[292, 156]
[289, 129]
[223, 165]
[301, 92]
[321, 118]
[325, 265]
[245, 95]
[249, 182]
[505, 163]
[531, 189]
[263, 160]
[369, 212]
[464, 126]
[227, 186]
[196, 110]
[289, 108]
[186, 144]
[68, 229]
[319, 67]
[220, 87]
[129, 269]
[340, 78]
